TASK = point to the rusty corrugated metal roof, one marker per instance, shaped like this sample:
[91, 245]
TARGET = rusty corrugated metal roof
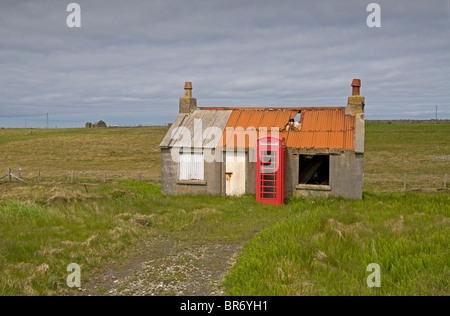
[239, 131]
[322, 127]
[191, 130]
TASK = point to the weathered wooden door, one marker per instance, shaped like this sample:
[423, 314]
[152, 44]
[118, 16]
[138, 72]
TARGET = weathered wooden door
[235, 173]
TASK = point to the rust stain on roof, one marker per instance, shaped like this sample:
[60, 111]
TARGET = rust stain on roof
[321, 127]
[324, 128]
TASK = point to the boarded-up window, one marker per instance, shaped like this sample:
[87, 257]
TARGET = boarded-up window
[191, 166]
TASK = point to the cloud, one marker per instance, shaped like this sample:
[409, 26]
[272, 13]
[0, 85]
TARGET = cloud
[128, 62]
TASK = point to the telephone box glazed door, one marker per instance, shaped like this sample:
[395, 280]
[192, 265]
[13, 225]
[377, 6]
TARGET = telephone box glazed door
[270, 170]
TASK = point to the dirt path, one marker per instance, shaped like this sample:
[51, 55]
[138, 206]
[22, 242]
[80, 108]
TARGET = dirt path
[168, 267]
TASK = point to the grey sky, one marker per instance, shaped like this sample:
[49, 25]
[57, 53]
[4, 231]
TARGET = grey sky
[128, 62]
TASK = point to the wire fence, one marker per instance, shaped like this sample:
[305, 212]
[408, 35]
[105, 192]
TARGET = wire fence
[73, 177]
[389, 182]
[406, 181]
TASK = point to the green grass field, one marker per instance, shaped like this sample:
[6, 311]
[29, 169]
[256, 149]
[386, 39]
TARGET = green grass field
[419, 150]
[121, 153]
[306, 247]
[326, 247]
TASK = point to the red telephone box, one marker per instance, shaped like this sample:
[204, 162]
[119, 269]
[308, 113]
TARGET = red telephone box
[270, 170]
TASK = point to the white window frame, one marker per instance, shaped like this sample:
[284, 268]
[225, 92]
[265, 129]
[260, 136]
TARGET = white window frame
[191, 166]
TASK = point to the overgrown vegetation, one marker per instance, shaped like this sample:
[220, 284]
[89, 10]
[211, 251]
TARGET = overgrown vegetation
[318, 246]
[60, 225]
[326, 248]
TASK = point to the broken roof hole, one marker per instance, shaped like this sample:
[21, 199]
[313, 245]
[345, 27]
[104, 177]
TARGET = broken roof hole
[294, 124]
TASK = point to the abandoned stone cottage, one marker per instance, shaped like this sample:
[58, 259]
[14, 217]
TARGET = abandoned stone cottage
[212, 150]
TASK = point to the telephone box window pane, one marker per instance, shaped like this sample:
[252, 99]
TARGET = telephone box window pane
[269, 162]
[269, 144]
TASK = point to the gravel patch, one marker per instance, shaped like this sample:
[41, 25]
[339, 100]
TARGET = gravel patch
[168, 267]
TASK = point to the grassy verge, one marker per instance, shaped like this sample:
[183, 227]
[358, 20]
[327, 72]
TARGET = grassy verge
[45, 228]
[326, 248]
[320, 246]
[40, 237]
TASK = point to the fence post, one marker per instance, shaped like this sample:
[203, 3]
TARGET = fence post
[39, 176]
[71, 177]
[19, 173]
[445, 181]
[139, 176]
[404, 181]
[9, 174]
[104, 177]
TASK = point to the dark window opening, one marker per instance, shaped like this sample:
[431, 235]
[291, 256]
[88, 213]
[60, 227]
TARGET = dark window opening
[314, 169]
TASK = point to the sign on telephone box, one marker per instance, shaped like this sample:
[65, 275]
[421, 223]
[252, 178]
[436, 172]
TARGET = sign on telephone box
[270, 169]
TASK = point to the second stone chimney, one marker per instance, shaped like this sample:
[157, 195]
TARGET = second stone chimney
[355, 107]
[355, 103]
[188, 104]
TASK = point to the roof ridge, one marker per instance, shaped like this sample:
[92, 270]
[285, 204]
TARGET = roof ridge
[272, 108]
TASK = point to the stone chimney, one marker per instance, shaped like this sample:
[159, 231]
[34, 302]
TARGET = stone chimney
[355, 103]
[355, 107]
[188, 104]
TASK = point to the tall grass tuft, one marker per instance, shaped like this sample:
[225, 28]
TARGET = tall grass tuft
[326, 248]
